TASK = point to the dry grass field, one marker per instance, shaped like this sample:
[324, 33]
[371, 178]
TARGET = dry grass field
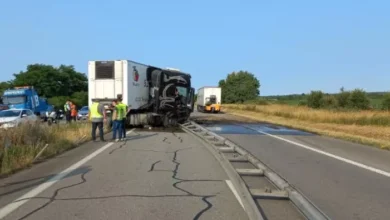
[19, 146]
[367, 127]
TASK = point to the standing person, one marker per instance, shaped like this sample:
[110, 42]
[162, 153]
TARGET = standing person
[67, 111]
[97, 115]
[117, 117]
[73, 109]
[124, 109]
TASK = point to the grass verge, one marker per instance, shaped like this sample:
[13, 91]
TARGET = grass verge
[366, 127]
[19, 146]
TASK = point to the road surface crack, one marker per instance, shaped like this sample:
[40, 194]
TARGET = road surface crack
[178, 137]
[154, 164]
[53, 197]
[204, 198]
[134, 137]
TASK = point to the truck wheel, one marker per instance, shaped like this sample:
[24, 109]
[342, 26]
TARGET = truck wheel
[166, 122]
[169, 122]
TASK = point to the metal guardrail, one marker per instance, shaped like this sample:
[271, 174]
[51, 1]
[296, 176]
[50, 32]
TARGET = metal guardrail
[220, 145]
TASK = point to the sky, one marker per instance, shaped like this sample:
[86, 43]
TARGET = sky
[291, 46]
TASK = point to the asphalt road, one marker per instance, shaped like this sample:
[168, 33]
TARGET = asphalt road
[344, 179]
[153, 175]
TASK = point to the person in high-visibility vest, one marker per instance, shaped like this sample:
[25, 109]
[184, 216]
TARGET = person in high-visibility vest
[124, 110]
[117, 118]
[97, 115]
[67, 111]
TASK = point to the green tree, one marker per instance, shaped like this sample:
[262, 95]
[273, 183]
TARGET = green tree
[239, 87]
[58, 101]
[329, 101]
[359, 100]
[314, 99]
[80, 98]
[50, 81]
[302, 103]
[386, 102]
[343, 98]
[3, 86]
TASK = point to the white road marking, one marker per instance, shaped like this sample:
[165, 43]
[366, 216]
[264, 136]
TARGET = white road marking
[230, 184]
[6, 210]
[372, 169]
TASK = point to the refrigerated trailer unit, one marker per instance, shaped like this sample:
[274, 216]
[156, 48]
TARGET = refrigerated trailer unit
[149, 91]
[209, 99]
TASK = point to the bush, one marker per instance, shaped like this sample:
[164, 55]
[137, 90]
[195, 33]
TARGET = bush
[344, 99]
[329, 101]
[359, 100]
[314, 99]
[302, 103]
[386, 102]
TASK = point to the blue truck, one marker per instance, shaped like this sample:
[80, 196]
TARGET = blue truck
[26, 97]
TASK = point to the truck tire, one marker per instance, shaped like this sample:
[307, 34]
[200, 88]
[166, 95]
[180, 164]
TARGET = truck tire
[49, 121]
[169, 122]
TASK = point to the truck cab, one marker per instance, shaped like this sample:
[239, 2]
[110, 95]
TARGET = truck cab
[25, 97]
[209, 99]
[171, 94]
[155, 95]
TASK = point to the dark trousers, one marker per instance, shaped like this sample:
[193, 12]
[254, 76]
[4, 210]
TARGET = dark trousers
[117, 127]
[68, 117]
[100, 126]
[124, 127]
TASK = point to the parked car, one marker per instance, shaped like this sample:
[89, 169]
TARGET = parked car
[14, 117]
[3, 107]
[60, 114]
[83, 113]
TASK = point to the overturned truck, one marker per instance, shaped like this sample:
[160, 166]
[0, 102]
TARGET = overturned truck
[156, 96]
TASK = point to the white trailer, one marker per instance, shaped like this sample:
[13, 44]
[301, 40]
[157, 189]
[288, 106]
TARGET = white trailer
[209, 99]
[142, 87]
[108, 79]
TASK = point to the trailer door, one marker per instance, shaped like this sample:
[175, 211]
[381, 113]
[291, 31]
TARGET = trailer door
[105, 79]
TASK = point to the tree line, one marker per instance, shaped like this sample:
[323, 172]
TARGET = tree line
[243, 87]
[356, 99]
[57, 84]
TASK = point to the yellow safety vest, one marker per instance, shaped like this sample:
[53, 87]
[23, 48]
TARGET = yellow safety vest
[94, 111]
[121, 111]
[124, 110]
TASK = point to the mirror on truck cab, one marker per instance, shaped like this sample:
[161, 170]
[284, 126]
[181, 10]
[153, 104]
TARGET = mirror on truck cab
[24, 115]
[192, 99]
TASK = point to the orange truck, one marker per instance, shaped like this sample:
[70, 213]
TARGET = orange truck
[209, 99]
